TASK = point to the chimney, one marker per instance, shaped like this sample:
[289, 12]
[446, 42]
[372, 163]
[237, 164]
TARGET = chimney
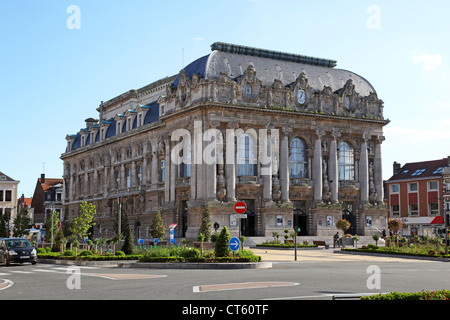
[397, 167]
[43, 178]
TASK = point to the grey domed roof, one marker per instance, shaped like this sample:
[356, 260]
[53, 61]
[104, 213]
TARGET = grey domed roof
[272, 65]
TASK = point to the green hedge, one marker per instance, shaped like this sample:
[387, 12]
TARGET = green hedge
[199, 259]
[58, 256]
[423, 295]
[400, 253]
[286, 245]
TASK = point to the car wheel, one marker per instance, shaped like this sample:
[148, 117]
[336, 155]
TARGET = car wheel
[33, 263]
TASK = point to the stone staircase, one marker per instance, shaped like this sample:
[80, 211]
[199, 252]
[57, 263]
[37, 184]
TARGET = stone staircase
[364, 240]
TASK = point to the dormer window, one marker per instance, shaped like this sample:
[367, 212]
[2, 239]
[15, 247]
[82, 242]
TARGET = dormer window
[248, 91]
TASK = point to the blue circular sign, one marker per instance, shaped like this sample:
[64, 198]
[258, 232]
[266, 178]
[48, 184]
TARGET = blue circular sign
[234, 244]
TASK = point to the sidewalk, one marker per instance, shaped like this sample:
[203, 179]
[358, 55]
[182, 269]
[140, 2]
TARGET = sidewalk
[322, 255]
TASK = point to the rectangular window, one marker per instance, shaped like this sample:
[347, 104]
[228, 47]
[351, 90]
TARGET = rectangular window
[395, 188]
[434, 209]
[128, 177]
[412, 187]
[395, 210]
[1, 195]
[163, 170]
[433, 185]
[8, 194]
[413, 209]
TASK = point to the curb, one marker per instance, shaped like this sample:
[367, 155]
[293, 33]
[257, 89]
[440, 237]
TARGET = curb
[86, 263]
[174, 265]
[399, 256]
[160, 265]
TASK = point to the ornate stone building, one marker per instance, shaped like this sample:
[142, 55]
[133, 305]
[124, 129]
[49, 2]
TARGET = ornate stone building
[324, 129]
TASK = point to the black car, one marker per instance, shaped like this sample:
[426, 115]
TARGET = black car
[17, 250]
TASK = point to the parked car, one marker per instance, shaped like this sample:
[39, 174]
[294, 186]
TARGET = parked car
[17, 250]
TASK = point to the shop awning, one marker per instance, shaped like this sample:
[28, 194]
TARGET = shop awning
[424, 220]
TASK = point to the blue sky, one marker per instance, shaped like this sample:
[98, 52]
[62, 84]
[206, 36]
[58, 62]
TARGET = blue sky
[53, 77]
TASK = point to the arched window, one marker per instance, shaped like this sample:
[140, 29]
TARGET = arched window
[248, 91]
[298, 160]
[346, 162]
[246, 156]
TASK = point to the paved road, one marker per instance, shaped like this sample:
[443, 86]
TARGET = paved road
[317, 275]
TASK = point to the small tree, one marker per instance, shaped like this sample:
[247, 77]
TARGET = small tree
[395, 225]
[76, 244]
[157, 229]
[201, 239]
[221, 248]
[205, 227]
[21, 223]
[128, 246]
[376, 237]
[356, 239]
[343, 225]
[83, 223]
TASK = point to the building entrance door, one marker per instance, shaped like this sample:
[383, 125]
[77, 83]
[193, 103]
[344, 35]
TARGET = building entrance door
[348, 214]
[300, 209]
[248, 226]
[184, 219]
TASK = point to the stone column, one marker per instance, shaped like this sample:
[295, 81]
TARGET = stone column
[154, 177]
[317, 166]
[167, 172]
[266, 154]
[364, 171]
[173, 175]
[284, 165]
[378, 170]
[333, 167]
[230, 164]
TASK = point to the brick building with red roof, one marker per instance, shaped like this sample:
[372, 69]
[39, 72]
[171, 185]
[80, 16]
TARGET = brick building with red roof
[415, 195]
[47, 197]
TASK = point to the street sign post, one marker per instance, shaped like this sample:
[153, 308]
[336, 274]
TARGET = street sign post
[234, 244]
[240, 207]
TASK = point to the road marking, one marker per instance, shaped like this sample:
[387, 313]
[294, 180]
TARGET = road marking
[6, 284]
[124, 276]
[20, 271]
[240, 286]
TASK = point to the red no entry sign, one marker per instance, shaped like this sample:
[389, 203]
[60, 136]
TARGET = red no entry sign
[240, 207]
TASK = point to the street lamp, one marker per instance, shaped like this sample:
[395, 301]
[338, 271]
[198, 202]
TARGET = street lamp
[297, 226]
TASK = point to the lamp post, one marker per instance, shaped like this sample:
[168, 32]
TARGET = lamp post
[297, 227]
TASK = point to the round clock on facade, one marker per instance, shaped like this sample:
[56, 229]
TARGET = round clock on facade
[301, 96]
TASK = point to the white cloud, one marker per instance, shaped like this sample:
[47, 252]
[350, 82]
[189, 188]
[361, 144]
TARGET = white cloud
[197, 39]
[429, 62]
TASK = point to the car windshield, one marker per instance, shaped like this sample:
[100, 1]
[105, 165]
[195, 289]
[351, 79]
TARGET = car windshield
[18, 243]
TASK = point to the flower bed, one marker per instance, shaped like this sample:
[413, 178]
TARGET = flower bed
[412, 250]
[285, 245]
[156, 254]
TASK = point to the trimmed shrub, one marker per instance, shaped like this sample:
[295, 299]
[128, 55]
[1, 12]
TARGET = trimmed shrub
[221, 248]
[68, 253]
[85, 253]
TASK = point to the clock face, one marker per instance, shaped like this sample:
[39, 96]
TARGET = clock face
[301, 97]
